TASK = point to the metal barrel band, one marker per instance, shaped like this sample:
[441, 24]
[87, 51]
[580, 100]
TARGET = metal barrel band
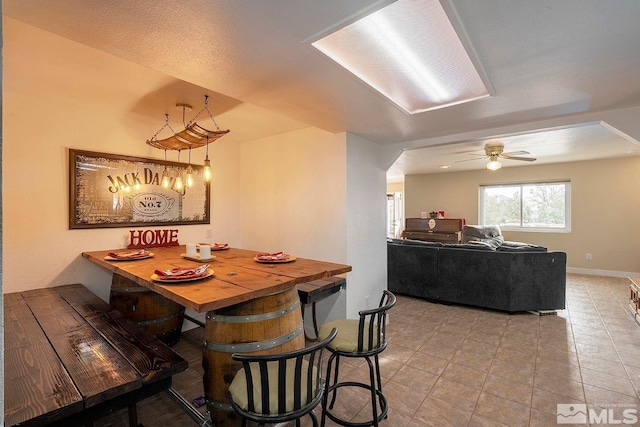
[160, 320]
[253, 317]
[219, 405]
[249, 347]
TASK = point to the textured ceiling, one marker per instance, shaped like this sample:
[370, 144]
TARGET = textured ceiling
[551, 64]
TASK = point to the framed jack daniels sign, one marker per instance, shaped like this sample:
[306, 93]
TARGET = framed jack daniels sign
[110, 190]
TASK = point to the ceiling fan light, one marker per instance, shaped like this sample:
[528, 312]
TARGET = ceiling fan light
[494, 165]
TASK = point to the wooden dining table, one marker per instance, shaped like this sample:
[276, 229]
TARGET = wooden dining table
[70, 359]
[239, 283]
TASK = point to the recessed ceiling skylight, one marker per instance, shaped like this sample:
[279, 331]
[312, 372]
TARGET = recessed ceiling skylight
[409, 52]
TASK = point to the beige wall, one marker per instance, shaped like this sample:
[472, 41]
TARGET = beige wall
[54, 99]
[395, 187]
[280, 171]
[605, 204]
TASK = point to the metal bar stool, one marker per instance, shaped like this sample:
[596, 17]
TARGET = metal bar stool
[366, 338]
[281, 387]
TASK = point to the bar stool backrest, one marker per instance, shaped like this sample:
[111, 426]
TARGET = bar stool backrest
[280, 386]
[373, 325]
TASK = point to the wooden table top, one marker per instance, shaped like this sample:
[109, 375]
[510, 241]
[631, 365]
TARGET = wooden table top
[67, 352]
[237, 276]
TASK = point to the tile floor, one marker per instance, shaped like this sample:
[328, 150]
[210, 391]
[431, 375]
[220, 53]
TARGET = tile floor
[461, 366]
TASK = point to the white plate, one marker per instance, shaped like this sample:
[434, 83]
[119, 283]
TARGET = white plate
[213, 247]
[276, 261]
[109, 258]
[157, 278]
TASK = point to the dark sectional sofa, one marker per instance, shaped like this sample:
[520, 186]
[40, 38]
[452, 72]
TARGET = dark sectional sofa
[484, 271]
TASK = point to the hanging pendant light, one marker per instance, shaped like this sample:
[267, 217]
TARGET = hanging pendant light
[178, 184]
[192, 136]
[189, 182]
[165, 178]
[165, 173]
[207, 164]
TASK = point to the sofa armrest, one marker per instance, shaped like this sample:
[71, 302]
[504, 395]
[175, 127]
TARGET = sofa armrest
[539, 280]
[412, 269]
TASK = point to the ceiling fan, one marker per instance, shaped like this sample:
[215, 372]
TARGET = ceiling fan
[496, 150]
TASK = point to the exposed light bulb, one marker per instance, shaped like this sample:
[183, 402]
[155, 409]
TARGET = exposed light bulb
[494, 164]
[165, 178]
[178, 184]
[207, 169]
[207, 162]
[189, 182]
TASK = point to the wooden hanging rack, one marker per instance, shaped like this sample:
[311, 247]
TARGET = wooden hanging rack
[192, 136]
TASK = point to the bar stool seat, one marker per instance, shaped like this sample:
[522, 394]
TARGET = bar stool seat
[364, 338]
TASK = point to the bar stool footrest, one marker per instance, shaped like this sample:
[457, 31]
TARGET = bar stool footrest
[381, 399]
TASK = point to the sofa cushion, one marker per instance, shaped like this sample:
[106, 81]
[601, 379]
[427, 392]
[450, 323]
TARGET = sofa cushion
[473, 245]
[490, 234]
[409, 242]
[509, 246]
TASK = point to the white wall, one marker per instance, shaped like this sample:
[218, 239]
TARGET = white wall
[366, 225]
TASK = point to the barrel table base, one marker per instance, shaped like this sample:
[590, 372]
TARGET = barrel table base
[265, 325]
[151, 311]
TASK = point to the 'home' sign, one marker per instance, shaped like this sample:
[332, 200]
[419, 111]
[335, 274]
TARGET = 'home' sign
[152, 238]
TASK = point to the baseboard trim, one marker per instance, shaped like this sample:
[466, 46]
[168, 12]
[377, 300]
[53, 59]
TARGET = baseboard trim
[609, 273]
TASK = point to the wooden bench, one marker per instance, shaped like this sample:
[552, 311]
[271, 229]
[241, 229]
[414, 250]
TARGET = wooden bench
[70, 359]
[316, 290]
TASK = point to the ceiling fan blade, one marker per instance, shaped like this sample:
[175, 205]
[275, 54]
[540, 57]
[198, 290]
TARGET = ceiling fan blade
[468, 160]
[524, 159]
[516, 153]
